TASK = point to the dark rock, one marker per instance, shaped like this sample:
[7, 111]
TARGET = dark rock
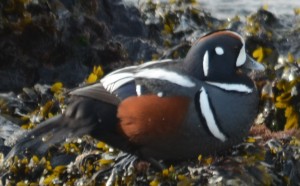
[54, 44]
[63, 159]
[264, 16]
[139, 49]
[122, 18]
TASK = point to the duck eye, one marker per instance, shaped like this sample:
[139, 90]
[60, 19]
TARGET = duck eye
[219, 51]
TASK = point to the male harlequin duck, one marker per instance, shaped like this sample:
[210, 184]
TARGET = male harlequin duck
[166, 109]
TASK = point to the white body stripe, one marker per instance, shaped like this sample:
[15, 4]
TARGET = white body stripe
[209, 117]
[232, 87]
[138, 89]
[205, 63]
[166, 75]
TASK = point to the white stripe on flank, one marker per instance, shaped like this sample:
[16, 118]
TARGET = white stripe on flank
[169, 76]
[205, 63]
[209, 117]
[232, 87]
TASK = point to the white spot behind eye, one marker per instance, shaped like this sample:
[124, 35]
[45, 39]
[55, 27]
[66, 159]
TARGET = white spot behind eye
[219, 50]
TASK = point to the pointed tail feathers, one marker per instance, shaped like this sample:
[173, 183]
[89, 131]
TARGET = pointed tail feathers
[50, 132]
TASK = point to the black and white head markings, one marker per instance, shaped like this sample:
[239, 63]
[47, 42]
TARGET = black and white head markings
[218, 55]
[215, 59]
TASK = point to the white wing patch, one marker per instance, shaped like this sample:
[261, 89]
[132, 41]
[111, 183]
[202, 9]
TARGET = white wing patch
[209, 117]
[162, 74]
[232, 87]
[117, 78]
[205, 63]
[114, 80]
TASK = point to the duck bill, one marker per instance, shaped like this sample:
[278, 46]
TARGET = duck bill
[251, 64]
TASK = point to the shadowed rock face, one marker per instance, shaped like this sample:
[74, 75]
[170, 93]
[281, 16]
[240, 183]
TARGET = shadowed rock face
[52, 41]
[63, 40]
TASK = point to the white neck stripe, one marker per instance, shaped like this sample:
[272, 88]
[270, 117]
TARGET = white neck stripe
[209, 116]
[163, 74]
[232, 87]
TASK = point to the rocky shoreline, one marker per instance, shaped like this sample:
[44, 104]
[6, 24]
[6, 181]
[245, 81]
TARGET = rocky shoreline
[44, 42]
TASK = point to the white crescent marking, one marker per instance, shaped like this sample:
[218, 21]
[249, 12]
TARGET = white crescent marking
[205, 63]
[241, 59]
[209, 117]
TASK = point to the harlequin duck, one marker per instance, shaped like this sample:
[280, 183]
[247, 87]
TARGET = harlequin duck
[165, 109]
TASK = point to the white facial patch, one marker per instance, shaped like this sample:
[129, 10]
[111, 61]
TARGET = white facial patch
[209, 116]
[205, 63]
[241, 59]
[162, 74]
[219, 51]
